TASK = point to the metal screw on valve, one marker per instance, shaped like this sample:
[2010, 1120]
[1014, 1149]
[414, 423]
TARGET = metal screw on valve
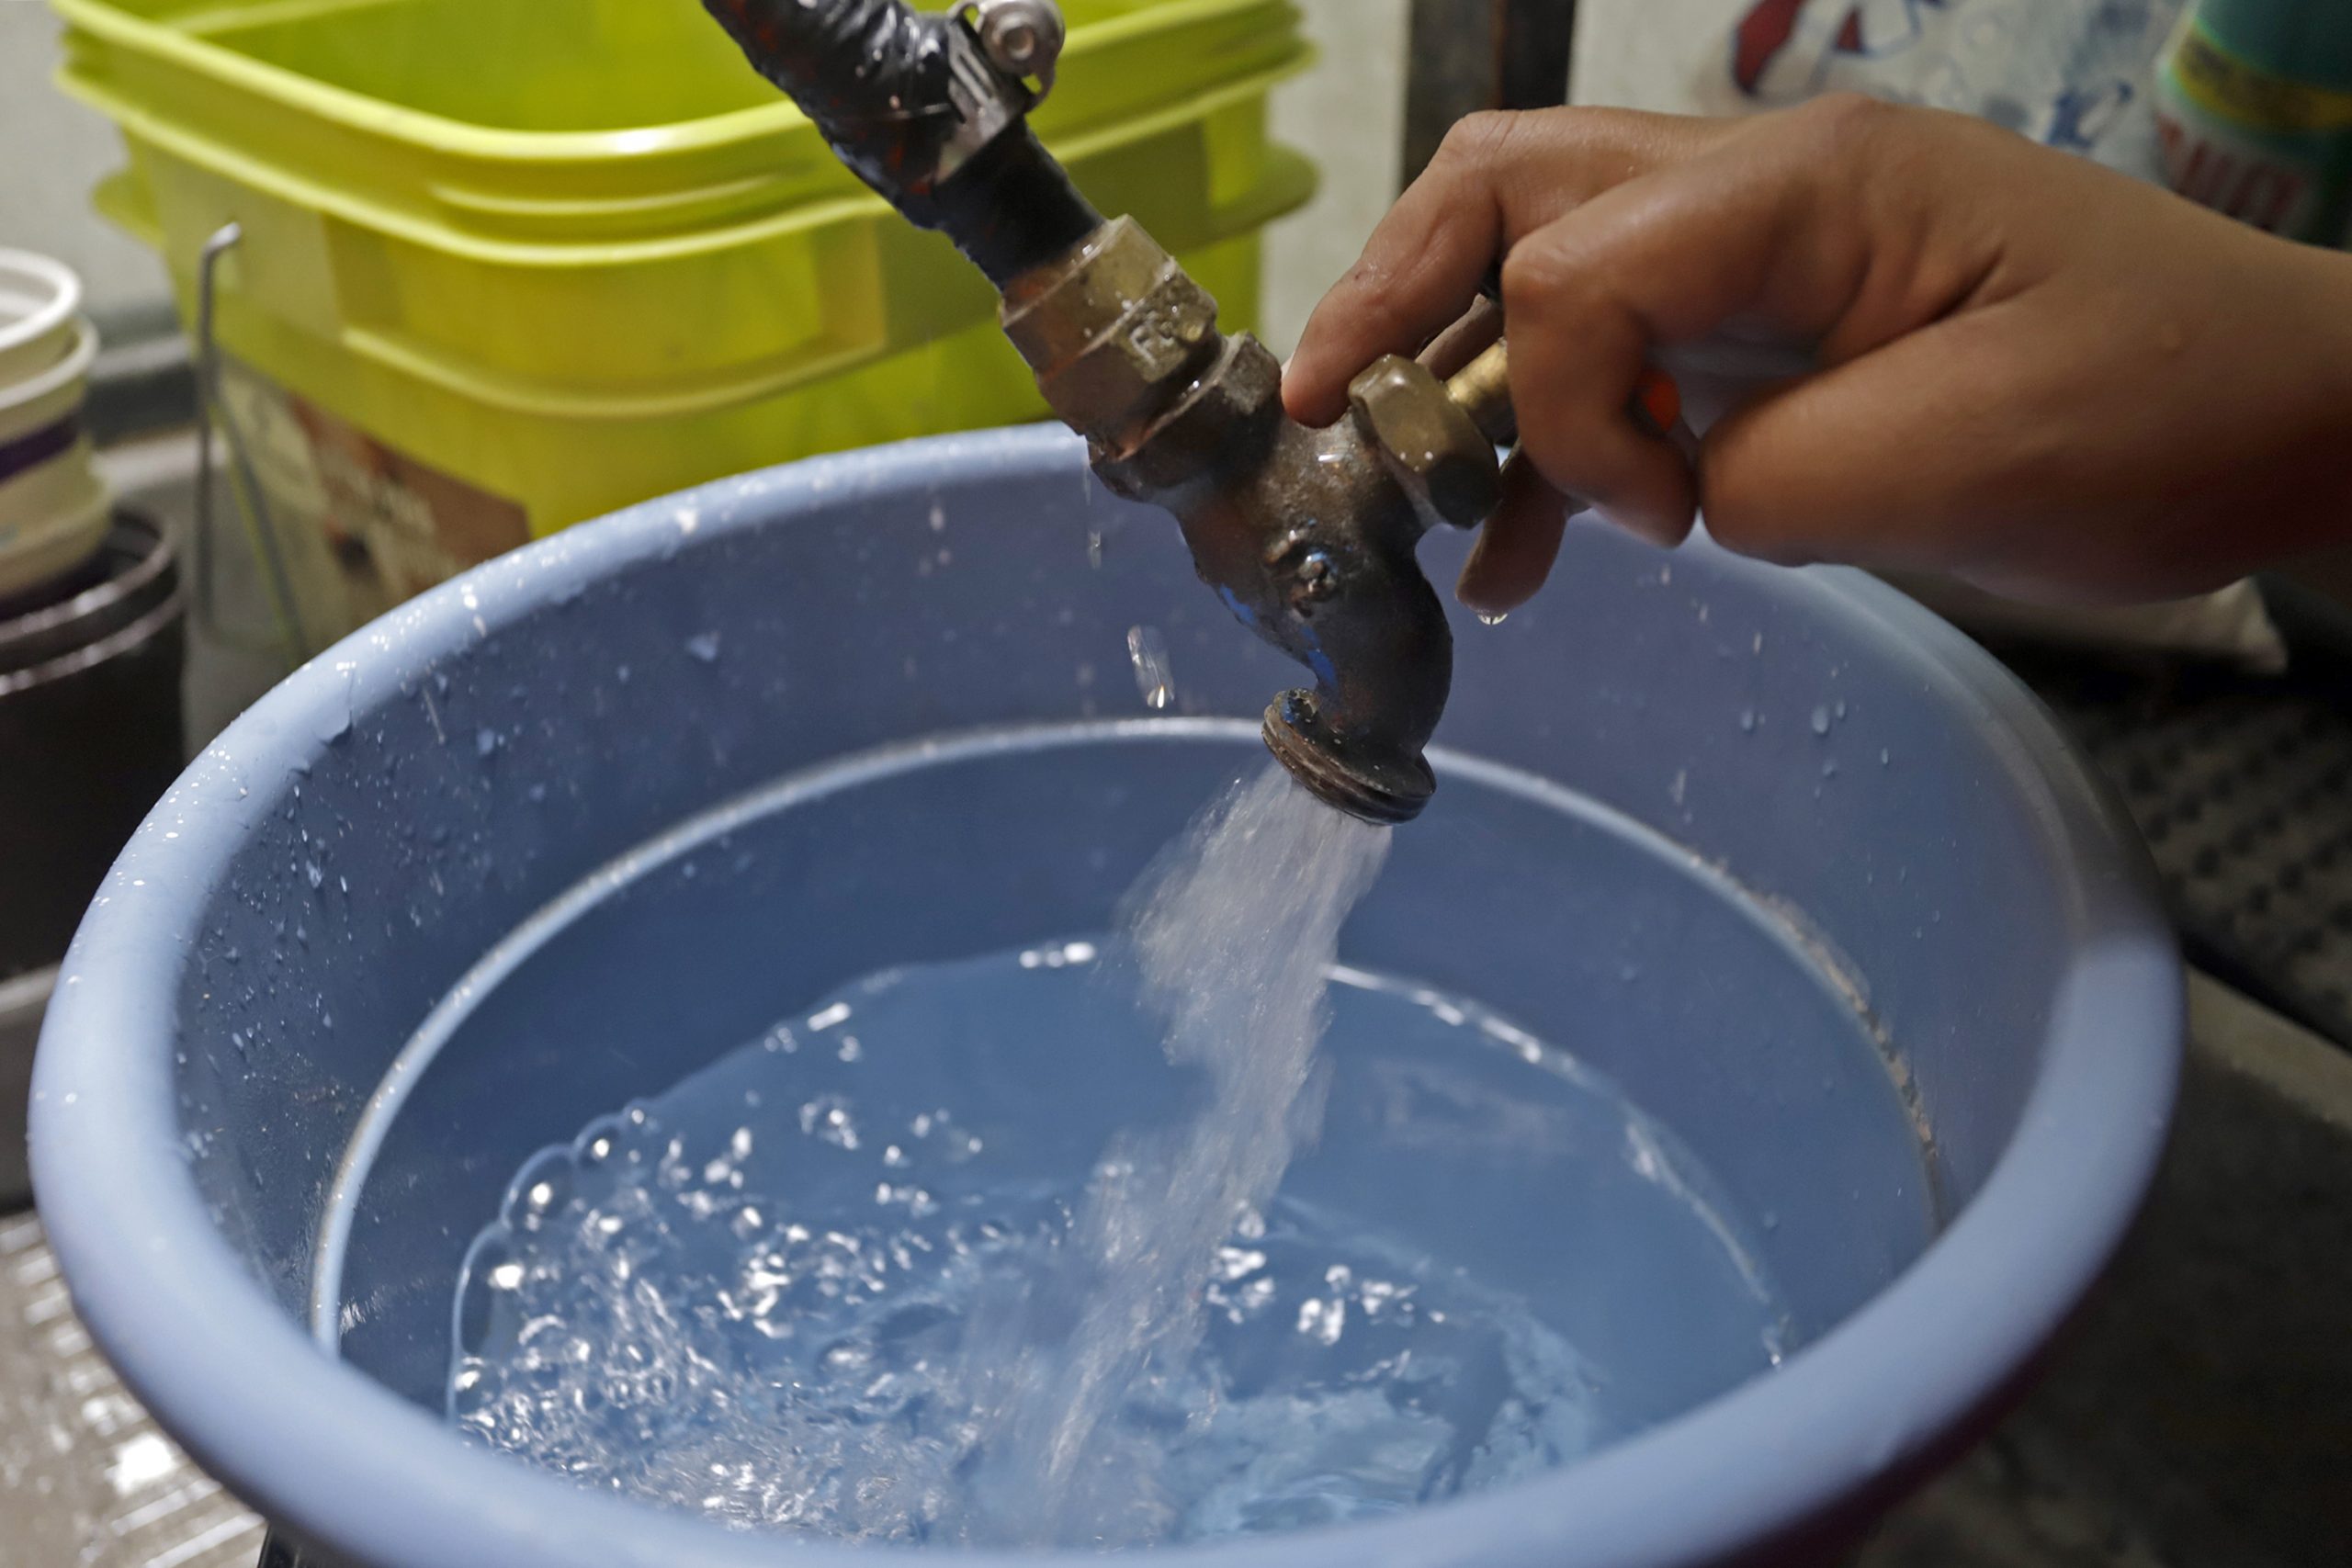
[1021, 38]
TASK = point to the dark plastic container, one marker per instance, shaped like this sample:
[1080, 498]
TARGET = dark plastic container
[90, 716]
[89, 731]
[1790, 860]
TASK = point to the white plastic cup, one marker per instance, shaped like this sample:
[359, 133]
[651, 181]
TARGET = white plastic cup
[54, 507]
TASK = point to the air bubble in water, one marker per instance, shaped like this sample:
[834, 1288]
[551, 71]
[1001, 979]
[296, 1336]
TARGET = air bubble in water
[883, 1347]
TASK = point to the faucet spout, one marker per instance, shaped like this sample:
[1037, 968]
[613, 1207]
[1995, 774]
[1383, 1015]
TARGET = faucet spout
[1310, 542]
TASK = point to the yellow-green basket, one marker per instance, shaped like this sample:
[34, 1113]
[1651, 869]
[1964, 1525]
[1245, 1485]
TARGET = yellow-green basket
[565, 254]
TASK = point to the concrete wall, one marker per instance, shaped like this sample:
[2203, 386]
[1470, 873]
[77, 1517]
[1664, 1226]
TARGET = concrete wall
[1649, 54]
[51, 152]
[1349, 115]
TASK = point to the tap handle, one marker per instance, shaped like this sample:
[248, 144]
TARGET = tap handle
[1482, 389]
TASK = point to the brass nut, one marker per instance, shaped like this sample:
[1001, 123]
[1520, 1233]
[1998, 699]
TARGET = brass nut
[1427, 440]
[1053, 313]
[1140, 364]
[1222, 417]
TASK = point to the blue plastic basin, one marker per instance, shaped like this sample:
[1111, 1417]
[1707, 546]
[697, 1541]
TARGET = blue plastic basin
[1791, 861]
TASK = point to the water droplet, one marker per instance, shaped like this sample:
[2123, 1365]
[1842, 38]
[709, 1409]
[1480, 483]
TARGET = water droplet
[704, 646]
[486, 742]
[317, 874]
[1094, 548]
[1821, 721]
[1748, 721]
[1486, 620]
[1884, 756]
[1155, 678]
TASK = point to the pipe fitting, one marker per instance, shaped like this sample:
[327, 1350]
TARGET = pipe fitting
[1428, 441]
[1222, 423]
[1115, 332]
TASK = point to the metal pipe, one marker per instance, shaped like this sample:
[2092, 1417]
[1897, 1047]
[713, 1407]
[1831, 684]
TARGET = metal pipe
[1468, 55]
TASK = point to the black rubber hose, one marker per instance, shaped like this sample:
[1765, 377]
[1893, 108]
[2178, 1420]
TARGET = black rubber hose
[879, 81]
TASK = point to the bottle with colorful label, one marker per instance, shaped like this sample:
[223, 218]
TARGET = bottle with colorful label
[2253, 114]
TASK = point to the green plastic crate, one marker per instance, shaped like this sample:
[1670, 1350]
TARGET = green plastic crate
[510, 264]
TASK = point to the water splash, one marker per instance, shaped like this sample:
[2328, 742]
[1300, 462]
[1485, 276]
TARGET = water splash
[802, 1291]
[1234, 931]
[1154, 672]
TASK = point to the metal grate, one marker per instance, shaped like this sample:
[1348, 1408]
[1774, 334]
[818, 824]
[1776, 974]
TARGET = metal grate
[2242, 787]
[86, 1479]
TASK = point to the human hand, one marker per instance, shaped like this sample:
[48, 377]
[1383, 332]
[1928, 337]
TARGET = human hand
[2032, 372]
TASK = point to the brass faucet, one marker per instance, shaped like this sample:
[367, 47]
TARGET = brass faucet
[1307, 534]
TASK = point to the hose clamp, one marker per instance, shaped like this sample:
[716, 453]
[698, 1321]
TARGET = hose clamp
[1023, 39]
[998, 47]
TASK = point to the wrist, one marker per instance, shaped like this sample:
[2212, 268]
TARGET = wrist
[2310, 482]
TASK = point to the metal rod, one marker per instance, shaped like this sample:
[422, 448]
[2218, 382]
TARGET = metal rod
[1469, 55]
[212, 410]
